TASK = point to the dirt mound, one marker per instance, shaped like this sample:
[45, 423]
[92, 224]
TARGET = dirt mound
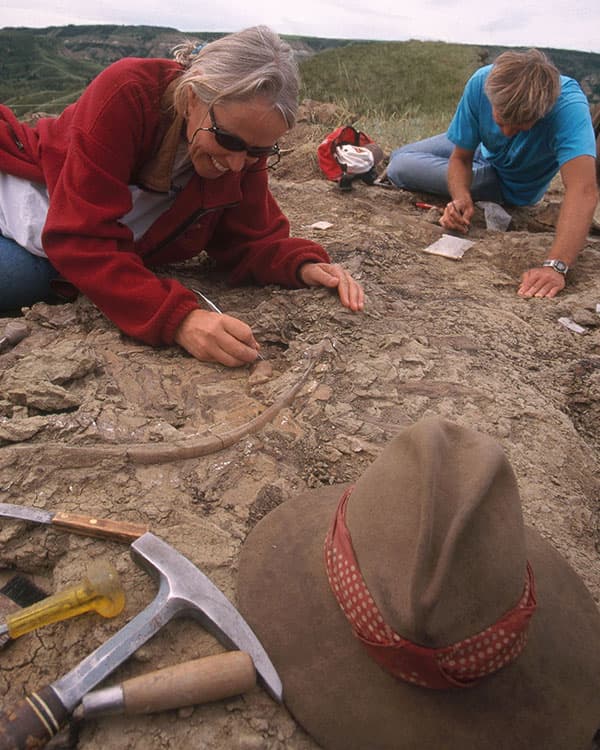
[437, 337]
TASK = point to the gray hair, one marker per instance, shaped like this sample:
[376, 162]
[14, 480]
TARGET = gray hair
[239, 67]
[523, 86]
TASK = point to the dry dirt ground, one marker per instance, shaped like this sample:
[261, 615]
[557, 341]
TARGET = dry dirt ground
[437, 337]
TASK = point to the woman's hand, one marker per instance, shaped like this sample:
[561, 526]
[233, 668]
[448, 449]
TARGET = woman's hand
[327, 274]
[211, 337]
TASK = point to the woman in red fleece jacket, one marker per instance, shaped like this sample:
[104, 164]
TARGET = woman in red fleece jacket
[157, 161]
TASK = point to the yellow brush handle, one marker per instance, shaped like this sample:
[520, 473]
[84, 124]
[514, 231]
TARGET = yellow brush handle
[100, 591]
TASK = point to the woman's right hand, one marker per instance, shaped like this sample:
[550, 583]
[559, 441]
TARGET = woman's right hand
[211, 337]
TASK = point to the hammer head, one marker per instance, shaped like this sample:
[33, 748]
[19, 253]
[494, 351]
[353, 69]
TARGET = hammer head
[185, 591]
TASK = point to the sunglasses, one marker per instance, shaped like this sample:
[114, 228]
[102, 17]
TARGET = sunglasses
[232, 142]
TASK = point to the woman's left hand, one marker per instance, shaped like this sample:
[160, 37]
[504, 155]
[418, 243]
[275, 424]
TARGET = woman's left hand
[331, 275]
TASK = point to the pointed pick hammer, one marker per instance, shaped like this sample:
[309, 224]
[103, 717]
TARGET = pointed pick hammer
[183, 591]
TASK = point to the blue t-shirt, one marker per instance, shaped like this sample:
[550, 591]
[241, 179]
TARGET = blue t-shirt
[526, 162]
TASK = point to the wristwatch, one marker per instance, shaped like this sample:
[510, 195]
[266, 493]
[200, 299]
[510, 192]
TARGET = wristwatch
[557, 265]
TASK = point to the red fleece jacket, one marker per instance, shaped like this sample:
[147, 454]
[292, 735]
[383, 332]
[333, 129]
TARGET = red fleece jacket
[91, 153]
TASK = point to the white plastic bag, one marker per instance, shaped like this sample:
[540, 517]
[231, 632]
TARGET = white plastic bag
[356, 159]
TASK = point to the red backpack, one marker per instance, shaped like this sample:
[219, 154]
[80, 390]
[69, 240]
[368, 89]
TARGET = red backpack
[345, 135]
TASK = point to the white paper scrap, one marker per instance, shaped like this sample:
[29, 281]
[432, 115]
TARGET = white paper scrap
[598, 308]
[321, 225]
[449, 246]
[571, 325]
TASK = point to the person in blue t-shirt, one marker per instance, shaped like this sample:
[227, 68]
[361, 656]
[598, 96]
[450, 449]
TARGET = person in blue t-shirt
[518, 123]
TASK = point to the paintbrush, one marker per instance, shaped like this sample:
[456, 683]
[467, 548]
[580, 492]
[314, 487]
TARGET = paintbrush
[211, 306]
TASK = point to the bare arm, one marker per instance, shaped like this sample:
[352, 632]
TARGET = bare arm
[576, 213]
[459, 212]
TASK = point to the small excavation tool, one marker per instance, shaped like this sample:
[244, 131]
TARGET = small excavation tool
[100, 591]
[14, 332]
[183, 590]
[211, 306]
[18, 592]
[122, 531]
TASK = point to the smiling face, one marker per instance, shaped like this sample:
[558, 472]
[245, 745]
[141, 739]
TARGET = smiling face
[507, 129]
[255, 123]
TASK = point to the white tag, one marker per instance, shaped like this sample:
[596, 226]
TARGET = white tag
[450, 247]
[571, 325]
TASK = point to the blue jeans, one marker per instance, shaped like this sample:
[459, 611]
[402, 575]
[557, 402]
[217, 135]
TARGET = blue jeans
[24, 278]
[423, 167]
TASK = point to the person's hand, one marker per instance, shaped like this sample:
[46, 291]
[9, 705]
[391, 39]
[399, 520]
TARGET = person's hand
[327, 274]
[541, 282]
[458, 214]
[211, 337]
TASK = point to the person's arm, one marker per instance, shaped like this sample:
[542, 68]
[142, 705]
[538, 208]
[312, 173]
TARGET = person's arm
[253, 242]
[459, 211]
[576, 213]
[112, 130]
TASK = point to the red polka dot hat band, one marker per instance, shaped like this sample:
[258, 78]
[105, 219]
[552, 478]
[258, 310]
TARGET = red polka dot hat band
[461, 664]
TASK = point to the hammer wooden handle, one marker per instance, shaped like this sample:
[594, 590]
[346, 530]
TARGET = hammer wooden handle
[123, 531]
[32, 722]
[189, 683]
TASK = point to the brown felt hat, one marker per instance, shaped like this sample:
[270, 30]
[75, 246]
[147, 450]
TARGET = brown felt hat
[437, 531]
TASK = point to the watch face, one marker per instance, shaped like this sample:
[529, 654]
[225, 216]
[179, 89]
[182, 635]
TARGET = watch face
[557, 265]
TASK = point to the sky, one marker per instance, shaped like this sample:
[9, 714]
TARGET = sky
[566, 24]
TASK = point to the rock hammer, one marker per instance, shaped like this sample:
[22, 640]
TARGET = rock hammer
[183, 591]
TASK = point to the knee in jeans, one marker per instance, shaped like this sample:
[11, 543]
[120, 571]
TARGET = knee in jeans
[395, 169]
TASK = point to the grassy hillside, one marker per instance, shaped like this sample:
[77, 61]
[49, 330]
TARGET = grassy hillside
[45, 69]
[404, 78]
[388, 84]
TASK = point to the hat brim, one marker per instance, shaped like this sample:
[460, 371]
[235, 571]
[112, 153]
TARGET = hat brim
[549, 697]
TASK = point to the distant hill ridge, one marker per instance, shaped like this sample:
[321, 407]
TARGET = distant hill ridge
[46, 69]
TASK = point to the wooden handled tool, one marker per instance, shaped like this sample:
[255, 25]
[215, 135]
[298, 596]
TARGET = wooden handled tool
[182, 590]
[122, 531]
[99, 591]
[187, 684]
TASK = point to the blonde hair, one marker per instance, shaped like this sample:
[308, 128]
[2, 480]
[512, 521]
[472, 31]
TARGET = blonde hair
[522, 86]
[239, 67]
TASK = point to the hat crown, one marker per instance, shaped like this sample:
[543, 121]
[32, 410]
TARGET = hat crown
[437, 530]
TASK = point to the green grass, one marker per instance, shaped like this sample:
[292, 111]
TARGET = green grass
[395, 92]
[392, 78]
[35, 75]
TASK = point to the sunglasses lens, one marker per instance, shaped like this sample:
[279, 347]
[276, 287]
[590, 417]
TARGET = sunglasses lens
[233, 143]
[228, 141]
